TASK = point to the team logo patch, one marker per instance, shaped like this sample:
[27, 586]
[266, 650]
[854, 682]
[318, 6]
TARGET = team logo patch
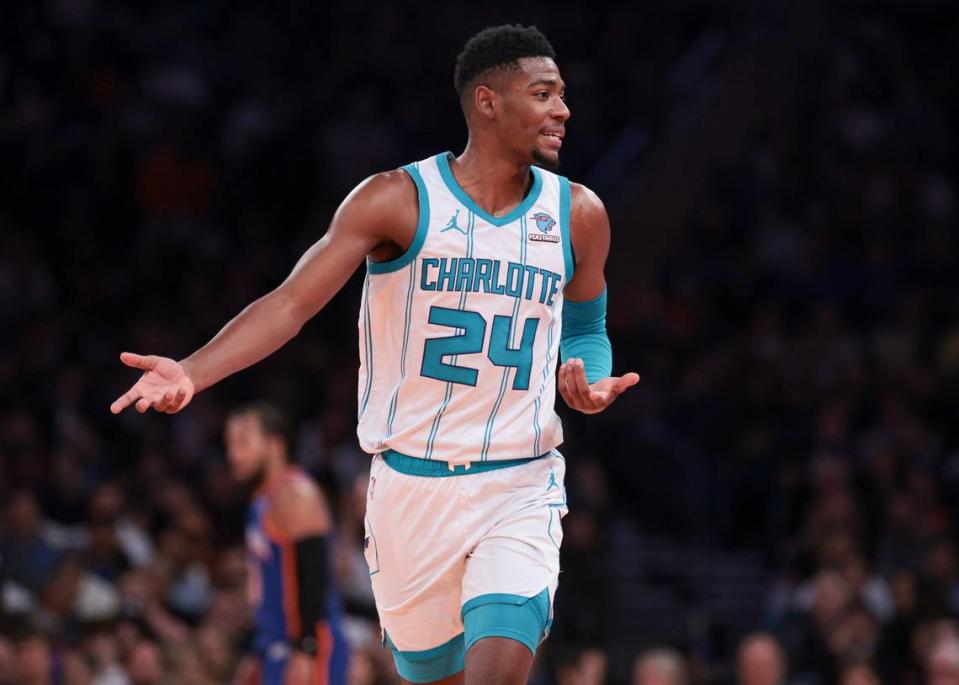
[545, 223]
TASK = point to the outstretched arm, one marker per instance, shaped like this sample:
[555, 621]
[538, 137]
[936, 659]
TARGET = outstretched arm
[379, 216]
[585, 306]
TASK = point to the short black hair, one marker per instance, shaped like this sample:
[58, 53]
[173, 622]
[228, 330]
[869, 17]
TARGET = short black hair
[498, 47]
[273, 422]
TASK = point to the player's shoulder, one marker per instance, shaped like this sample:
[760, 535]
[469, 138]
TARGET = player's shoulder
[396, 187]
[384, 204]
[584, 199]
[299, 506]
[388, 187]
[587, 210]
[298, 486]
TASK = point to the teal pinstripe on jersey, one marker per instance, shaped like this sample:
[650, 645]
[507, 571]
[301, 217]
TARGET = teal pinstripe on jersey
[406, 337]
[449, 385]
[367, 348]
[488, 433]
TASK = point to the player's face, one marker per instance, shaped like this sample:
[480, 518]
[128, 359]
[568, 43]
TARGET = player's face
[535, 112]
[247, 448]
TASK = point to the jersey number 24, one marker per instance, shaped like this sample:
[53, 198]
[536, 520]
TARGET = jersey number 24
[470, 341]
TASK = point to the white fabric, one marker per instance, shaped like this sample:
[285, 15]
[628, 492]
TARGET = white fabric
[433, 544]
[421, 416]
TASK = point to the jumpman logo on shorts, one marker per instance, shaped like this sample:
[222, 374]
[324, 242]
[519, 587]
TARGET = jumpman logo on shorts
[552, 481]
[452, 224]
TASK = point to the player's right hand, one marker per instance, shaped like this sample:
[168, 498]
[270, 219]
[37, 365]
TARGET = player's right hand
[164, 385]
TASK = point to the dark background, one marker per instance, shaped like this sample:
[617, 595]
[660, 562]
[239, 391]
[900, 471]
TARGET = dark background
[781, 179]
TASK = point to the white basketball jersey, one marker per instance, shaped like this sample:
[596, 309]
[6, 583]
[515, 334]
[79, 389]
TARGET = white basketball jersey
[459, 335]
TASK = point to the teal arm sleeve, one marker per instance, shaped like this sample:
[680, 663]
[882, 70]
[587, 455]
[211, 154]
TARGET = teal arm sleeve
[584, 337]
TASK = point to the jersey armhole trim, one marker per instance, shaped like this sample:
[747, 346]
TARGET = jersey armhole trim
[564, 228]
[422, 226]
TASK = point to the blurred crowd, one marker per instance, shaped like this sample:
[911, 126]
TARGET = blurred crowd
[164, 164]
[800, 353]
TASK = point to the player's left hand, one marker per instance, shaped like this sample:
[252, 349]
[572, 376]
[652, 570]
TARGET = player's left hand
[590, 399]
[299, 670]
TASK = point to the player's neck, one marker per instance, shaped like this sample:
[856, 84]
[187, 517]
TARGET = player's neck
[490, 177]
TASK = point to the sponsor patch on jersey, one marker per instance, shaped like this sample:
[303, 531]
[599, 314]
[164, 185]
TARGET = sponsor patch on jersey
[545, 224]
[539, 238]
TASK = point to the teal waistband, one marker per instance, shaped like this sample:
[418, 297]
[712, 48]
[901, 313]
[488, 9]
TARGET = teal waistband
[433, 468]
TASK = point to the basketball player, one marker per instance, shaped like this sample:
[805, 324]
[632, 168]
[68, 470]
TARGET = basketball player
[297, 611]
[480, 270]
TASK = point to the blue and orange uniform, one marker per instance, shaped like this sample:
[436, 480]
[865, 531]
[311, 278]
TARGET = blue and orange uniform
[278, 598]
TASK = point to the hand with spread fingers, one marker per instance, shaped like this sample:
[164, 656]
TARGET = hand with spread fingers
[590, 399]
[164, 385]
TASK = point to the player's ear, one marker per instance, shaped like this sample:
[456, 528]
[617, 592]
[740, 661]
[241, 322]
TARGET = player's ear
[485, 101]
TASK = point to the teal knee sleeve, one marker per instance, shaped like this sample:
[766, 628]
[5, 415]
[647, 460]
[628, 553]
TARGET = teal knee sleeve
[524, 619]
[429, 664]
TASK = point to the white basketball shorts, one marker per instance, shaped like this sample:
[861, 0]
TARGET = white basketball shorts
[459, 555]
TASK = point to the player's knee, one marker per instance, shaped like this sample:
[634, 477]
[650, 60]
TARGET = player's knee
[524, 619]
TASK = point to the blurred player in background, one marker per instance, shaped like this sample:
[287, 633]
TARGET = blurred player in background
[298, 639]
[470, 297]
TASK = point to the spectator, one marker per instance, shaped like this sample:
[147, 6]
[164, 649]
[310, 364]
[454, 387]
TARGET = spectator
[660, 666]
[9, 663]
[75, 668]
[871, 589]
[75, 595]
[34, 661]
[942, 663]
[582, 666]
[123, 541]
[860, 673]
[28, 559]
[760, 661]
[105, 658]
[854, 636]
[146, 664]
[820, 607]
[894, 652]
[941, 576]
